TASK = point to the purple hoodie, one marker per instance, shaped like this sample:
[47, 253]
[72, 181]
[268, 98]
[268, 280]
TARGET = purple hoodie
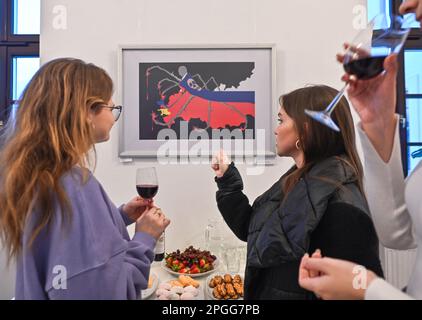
[90, 258]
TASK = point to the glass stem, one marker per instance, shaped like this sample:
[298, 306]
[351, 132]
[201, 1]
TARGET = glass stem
[329, 110]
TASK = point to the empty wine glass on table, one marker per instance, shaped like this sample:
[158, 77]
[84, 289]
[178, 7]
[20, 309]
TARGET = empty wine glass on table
[214, 236]
[231, 256]
[365, 55]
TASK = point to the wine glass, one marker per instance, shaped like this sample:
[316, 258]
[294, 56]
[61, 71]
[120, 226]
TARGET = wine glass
[365, 55]
[146, 183]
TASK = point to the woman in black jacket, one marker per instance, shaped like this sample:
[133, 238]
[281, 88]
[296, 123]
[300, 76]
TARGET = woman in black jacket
[318, 204]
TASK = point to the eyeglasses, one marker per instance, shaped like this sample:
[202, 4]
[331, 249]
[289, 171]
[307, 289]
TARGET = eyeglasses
[116, 110]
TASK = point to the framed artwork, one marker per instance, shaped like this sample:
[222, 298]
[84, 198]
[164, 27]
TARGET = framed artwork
[177, 95]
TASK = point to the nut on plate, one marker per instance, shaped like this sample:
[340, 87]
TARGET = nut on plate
[226, 287]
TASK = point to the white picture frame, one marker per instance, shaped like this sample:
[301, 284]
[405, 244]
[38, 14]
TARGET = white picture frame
[134, 59]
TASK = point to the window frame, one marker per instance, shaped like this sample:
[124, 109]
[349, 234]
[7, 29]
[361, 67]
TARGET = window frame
[3, 82]
[11, 37]
[27, 51]
[414, 42]
[402, 105]
[11, 45]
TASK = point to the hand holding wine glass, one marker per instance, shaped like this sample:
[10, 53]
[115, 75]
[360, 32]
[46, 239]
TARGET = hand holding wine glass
[153, 222]
[375, 102]
[145, 179]
[136, 207]
[374, 99]
[364, 60]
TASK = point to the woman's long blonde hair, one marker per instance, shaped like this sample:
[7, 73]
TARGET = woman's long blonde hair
[50, 134]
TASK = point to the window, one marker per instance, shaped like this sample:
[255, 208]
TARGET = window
[23, 70]
[409, 104]
[413, 96]
[377, 7]
[26, 16]
[19, 50]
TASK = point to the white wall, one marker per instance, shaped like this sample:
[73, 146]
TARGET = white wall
[307, 33]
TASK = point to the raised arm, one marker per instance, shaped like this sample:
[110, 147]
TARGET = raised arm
[233, 203]
[375, 102]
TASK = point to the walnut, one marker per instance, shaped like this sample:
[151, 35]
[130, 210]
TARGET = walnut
[239, 289]
[230, 290]
[226, 287]
[227, 278]
[216, 294]
[237, 279]
[218, 280]
[222, 290]
[212, 283]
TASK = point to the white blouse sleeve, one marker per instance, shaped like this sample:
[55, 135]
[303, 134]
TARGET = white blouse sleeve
[380, 289]
[385, 190]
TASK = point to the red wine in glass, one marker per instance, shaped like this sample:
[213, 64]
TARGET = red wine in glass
[365, 68]
[147, 191]
[147, 188]
[365, 55]
[146, 182]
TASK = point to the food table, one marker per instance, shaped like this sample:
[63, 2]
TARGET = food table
[164, 276]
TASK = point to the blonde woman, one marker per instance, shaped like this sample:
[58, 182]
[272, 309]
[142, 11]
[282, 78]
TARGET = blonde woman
[56, 220]
[395, 203]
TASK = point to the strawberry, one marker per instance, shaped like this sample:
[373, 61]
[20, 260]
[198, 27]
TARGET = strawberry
[202, 263]
[194, 269]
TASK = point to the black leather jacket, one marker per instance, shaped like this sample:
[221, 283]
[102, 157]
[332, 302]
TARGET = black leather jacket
[325, 210]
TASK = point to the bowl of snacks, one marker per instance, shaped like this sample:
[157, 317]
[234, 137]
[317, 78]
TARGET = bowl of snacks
[225, 287]
[184, 288]
[153, 281]
[192, 262]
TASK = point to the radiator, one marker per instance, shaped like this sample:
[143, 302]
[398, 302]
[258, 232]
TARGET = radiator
[398, 265]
